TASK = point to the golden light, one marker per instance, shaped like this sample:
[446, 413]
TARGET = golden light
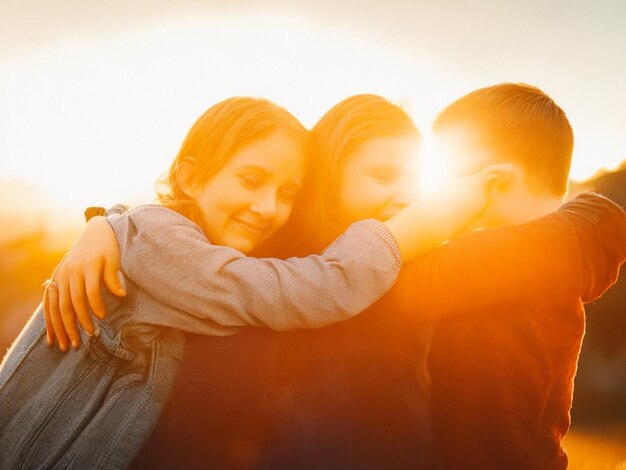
[435, 171]
[96, 117]
[95, 122]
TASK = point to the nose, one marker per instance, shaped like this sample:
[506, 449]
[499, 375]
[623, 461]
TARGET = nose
[264, 205]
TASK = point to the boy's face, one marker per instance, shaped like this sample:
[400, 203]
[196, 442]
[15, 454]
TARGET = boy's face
[511, 200]
[465, 155]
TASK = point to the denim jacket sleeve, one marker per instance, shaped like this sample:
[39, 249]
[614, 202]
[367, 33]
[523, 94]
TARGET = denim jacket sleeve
[168, 256]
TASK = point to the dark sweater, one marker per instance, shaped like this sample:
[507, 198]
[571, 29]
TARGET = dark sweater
[503, 373]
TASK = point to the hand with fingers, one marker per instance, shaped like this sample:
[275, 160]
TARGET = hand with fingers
[74, 288]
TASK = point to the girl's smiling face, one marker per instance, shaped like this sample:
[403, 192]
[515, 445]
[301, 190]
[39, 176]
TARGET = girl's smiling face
[379, 178]
[252, 195]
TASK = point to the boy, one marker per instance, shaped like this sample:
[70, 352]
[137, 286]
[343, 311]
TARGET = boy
[502, 377]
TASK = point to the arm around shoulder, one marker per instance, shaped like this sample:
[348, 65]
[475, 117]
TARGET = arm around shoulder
[578, 248]
[600, 225]
[167, 255]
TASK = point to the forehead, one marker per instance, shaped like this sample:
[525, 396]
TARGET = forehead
[400, 151]
[278, 155]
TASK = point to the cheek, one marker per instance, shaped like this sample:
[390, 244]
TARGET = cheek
[356, 200]
[374, 196]
[283, 213]
[355, 191]
[350, 206]
[234, 199]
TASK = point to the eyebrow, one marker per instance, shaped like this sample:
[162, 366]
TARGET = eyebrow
[252, 167]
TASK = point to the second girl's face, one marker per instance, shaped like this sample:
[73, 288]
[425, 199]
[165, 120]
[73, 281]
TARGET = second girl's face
[380, 178]
[252, 195]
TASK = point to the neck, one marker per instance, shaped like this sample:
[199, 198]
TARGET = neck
[536, 206]
[531, 207]
[512, 209]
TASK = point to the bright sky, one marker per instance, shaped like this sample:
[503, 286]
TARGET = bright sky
[96, 97]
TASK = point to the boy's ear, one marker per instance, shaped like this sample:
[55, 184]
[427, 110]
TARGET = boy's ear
[186, 178]
[501, 177]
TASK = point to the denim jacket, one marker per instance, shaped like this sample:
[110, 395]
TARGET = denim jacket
[94, 407]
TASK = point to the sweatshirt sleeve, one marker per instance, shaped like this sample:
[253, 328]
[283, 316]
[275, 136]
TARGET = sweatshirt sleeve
[600, 227]
[168, 256]
[576, 251]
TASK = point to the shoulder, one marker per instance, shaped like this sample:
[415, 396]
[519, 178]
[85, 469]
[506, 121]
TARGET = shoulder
[150, 216]
[154, 224]
[593, 207]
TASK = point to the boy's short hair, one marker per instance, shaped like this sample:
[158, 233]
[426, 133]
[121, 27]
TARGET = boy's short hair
[517, 123]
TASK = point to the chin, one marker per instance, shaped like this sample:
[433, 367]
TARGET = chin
[246, 248]
[382, 217]
[241, 244]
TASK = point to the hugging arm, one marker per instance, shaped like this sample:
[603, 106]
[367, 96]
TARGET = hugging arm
[309, 292]
[575, 251]
[600, 227]
[169, 257]
[94, 257]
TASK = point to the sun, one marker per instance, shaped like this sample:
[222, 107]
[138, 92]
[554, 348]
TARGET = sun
[435, 171]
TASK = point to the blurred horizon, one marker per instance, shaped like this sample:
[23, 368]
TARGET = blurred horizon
[34, 210]
[96, 98]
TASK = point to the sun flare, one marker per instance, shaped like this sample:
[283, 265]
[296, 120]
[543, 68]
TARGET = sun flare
[435, 171]
[77, 112]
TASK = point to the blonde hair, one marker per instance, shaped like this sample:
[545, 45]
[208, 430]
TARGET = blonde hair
[336, 135]
[214, 137]
[520, 124]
